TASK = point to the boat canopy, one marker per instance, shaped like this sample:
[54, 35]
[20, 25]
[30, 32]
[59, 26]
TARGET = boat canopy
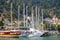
[24, 27]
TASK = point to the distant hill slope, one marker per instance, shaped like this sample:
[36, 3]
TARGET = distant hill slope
[50, 6]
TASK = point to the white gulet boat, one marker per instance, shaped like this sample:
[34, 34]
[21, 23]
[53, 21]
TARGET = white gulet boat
[32, 32]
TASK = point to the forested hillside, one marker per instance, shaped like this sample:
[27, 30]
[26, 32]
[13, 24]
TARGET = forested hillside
[51, 7]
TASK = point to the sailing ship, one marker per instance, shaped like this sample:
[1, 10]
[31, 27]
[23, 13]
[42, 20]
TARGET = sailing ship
[32, 32]
[12, 32]
[23, 32]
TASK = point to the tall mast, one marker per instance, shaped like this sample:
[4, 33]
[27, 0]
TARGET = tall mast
[26, 16]
[36, 17]
[18, 14]
[42, 18]
[32, 14]
[24, 13]
[11, 15]
[38, 20]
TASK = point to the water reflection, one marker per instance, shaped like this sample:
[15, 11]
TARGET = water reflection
[9, 38]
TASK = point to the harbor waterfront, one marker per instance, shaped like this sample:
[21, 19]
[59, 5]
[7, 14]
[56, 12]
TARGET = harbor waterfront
[29, 20]
[55, 37]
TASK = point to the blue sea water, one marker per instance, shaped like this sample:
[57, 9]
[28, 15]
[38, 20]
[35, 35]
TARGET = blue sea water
[55, 37]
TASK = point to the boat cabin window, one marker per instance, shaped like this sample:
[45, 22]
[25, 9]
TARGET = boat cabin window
[17, 29]
[24, 28]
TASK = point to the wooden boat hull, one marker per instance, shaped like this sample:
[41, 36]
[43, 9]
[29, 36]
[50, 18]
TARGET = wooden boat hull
[9, 36]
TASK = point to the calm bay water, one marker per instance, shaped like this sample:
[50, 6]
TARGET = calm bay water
[34, 38]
